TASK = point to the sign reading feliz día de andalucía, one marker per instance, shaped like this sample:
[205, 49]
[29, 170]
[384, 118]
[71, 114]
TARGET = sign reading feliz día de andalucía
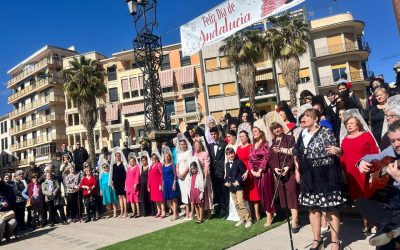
[226, 19]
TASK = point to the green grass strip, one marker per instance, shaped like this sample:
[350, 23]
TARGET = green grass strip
[212, 234]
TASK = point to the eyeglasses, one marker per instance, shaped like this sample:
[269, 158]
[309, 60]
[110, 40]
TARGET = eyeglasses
[390, 116]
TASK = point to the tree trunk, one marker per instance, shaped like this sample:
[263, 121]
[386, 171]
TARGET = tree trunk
[92, 154]
[247, 80]
[290, 71]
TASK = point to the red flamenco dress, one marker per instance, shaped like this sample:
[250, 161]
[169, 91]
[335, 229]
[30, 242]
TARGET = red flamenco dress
[353, 150]
[250, 192]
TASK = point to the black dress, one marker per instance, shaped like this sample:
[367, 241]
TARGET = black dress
[118, 178]
[144, 195]
[377, 118]
[321, 186]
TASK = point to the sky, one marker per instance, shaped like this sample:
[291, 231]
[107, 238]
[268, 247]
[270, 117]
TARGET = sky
[106, 26]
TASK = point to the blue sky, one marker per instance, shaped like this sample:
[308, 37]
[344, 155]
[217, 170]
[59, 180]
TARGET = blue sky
[107, 27]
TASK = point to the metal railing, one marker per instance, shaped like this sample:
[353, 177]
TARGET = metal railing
[36, 104]
[37, 122]
[187, 109]
[340, 48]
[40, 83]
[358, 75]
[38, 140]
[37, 66]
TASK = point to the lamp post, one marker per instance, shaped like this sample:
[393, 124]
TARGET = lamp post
[148, 56]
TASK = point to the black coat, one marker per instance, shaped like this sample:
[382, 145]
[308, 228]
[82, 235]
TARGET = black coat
[80, 156]
[235, 173]
[217, 160]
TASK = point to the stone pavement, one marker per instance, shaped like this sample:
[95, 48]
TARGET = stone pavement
[278, 238]
[92, 235]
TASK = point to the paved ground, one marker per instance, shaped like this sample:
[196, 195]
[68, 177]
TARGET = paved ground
[278, 238]
[90, 235]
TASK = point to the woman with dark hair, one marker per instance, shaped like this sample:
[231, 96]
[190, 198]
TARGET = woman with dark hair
[246, 121]
[263, 178]
[154, 185]
[250, 192]
[321, 186]
[146, 208]
[284, 168]
[350, 99]
[304, 96]
[287, 115]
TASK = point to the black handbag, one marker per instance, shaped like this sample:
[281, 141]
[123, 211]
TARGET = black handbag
[59, 201]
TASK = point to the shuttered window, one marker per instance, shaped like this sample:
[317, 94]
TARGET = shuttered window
[229, 89]
[224, 62]
[281, 80]
[217, 115]
[211, 64]
[113, 93]
[214, 90]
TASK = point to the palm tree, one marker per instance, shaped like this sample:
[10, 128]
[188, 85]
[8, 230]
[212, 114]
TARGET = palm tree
[84, 86]
[242, 50]
[286, 40]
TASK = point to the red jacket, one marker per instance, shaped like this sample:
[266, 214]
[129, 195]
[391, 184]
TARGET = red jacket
[30, 192]
[92, 184]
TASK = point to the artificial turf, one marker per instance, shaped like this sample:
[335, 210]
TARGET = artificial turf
[212, 234]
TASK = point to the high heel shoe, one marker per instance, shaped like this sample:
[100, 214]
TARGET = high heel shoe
[320, 245]
[338, 243]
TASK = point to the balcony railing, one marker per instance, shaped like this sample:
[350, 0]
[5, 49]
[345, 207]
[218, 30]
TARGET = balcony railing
[38, 140]
[37, 85]
[35, 123]
[29, 71]
[340, 48]
[353, 76]
[22, 162]
[188, 109]
[36, 104]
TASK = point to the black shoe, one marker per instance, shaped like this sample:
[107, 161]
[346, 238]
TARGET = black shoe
[295, 230]
[87, 220]
[52, 225]
[94, 218]
[320, 245]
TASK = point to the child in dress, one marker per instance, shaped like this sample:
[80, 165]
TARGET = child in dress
[107, 192]
[132, 186]
[197, 190]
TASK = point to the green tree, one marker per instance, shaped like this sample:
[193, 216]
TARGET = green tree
[286, 40]
[243, 50]
[85, 84]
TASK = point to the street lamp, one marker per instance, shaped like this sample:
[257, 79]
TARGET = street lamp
[148, 55]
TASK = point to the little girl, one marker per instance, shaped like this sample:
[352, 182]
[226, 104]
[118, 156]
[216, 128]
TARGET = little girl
[197, 190]
[88, 184]
[107, 192]
[132, 186]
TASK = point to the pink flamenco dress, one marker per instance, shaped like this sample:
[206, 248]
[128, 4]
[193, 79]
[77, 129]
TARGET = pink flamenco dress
[154, 182]
[132, 180]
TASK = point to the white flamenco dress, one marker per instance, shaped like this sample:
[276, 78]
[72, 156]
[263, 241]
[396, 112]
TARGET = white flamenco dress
[183, 165]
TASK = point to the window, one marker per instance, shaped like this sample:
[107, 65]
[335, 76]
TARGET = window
[24, 137]
[33, 119]
[190, 104]
[185, 60]
[112, 73]
[116, 139]
[224, 62]
[23, 120]
[169, 108]
[2, 131]
[281, 80]
[34, 134]
[47, 112]
[217, 115]
[76, 119]
[165, 63]
[5, 127]
[141, 132]
[134, 93]
[229, 89]
[113, 92]
[126, 95]
[70, 120]
[188, 85]
[339, 71]
[2, 145]
[211, 64]
[214, 91]
[6, 143]
[168, 89]
[304, 75]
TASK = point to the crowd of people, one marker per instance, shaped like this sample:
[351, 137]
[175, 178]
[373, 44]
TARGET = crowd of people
[318, 156]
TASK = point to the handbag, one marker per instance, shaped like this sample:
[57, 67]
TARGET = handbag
[7, 215]
[59, 201]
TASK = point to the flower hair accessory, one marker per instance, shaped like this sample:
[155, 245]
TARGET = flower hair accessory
[247, 105]
[349, 85]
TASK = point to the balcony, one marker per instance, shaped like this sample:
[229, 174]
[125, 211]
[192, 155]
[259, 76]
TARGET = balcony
[333, 50]
[29, 71]
[38, 141]
[39, 85]
[353, 76]
[36, 104]
[189, 113]
[187, 89]
[22, 162]
[42, 120]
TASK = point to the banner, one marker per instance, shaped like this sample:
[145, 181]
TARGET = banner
[226, 19]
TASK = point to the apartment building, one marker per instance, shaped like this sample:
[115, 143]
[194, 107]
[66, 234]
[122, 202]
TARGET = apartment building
[7, 161]
[336, 51]
[182, 86]
[37, 125]
[75, 131]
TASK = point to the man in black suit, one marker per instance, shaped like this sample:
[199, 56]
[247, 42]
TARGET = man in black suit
[217, 154]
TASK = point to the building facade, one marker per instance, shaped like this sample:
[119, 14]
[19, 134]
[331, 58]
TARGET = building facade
[37, 124]
[7, 161]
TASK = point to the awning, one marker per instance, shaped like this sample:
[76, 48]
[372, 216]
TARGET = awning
[264, 75]
[185, 75]
[140, 82]
[125, 85]
[44, 107]
[112, 112]
[166, 78]
[132, 108]
[133, 81]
